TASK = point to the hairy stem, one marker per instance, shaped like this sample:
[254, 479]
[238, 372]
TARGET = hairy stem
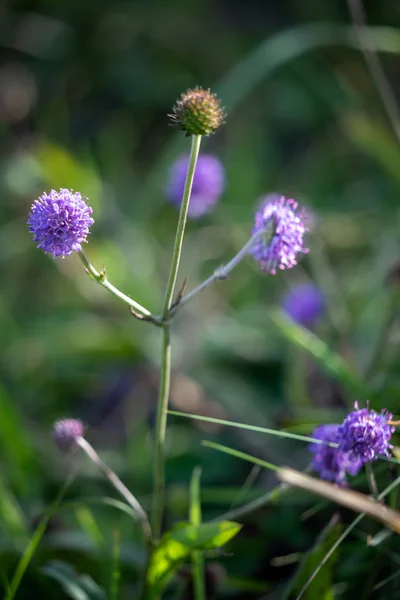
[162, 406]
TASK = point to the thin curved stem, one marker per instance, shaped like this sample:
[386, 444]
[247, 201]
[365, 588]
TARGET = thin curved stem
[220, 273]
[118, 485]
[101, 278]
[162, 405]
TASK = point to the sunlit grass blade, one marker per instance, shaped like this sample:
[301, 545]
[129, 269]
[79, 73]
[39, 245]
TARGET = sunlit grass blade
[242, 455]
[320, 351]
[344, 535]
[282, 434]
[35, 540]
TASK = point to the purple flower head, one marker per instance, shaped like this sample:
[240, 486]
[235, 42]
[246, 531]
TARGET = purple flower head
[284, 226]
[304, 304]
[365, 434]
[60, 222]
[330, 462]
[208, 183]
[66, 432]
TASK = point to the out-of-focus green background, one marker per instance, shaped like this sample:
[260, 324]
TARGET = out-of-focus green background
[85, 88]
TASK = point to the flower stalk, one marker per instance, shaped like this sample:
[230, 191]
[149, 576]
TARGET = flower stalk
[118, 485]
[162, 405]
[219, 274]
[101, 278]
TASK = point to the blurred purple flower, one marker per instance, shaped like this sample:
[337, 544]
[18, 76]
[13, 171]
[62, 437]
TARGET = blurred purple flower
[284, 227]
[208, 183]
[66, 432]
[60, 222]
[304, 304]
[331, 463]
[365, 434]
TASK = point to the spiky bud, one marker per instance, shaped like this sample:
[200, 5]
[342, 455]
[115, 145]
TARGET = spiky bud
[198, 112]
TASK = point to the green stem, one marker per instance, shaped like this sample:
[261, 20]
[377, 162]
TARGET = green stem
[162, 406]
[180, 232]
[101, 278]
[220, 273]
[371, 480]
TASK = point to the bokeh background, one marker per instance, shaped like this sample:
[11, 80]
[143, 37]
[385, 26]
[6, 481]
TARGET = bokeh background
[85, 88]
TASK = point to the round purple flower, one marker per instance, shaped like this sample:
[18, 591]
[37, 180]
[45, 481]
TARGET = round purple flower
[284, 227]
[208, 183]
[60, 222]
[331, 463]
[365, 434]
[304, 304]
[66, 432]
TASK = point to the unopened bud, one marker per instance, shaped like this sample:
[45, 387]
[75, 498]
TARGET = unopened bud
[198, 112]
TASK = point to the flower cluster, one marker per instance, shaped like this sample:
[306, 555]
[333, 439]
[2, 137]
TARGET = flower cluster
[363, 437]
[208, 183]
[282, 227]
[60, 222]
[365, 434]
[328, 461]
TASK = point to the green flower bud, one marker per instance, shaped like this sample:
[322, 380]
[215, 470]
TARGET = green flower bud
[198, 112]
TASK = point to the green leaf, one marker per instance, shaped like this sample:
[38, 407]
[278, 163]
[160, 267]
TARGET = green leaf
[330, 361]
[321, 586]
[176, 546]
[75, 586]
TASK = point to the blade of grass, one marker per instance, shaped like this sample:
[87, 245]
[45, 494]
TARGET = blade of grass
[116, 569]
[283, 434]
[242, 455]
[195, 519]
[35, 540]
[344, 535]
[332, 362]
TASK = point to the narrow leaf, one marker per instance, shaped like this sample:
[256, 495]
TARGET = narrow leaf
[242, 455]
[322, 585]
[332, 362]
[177, 545]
